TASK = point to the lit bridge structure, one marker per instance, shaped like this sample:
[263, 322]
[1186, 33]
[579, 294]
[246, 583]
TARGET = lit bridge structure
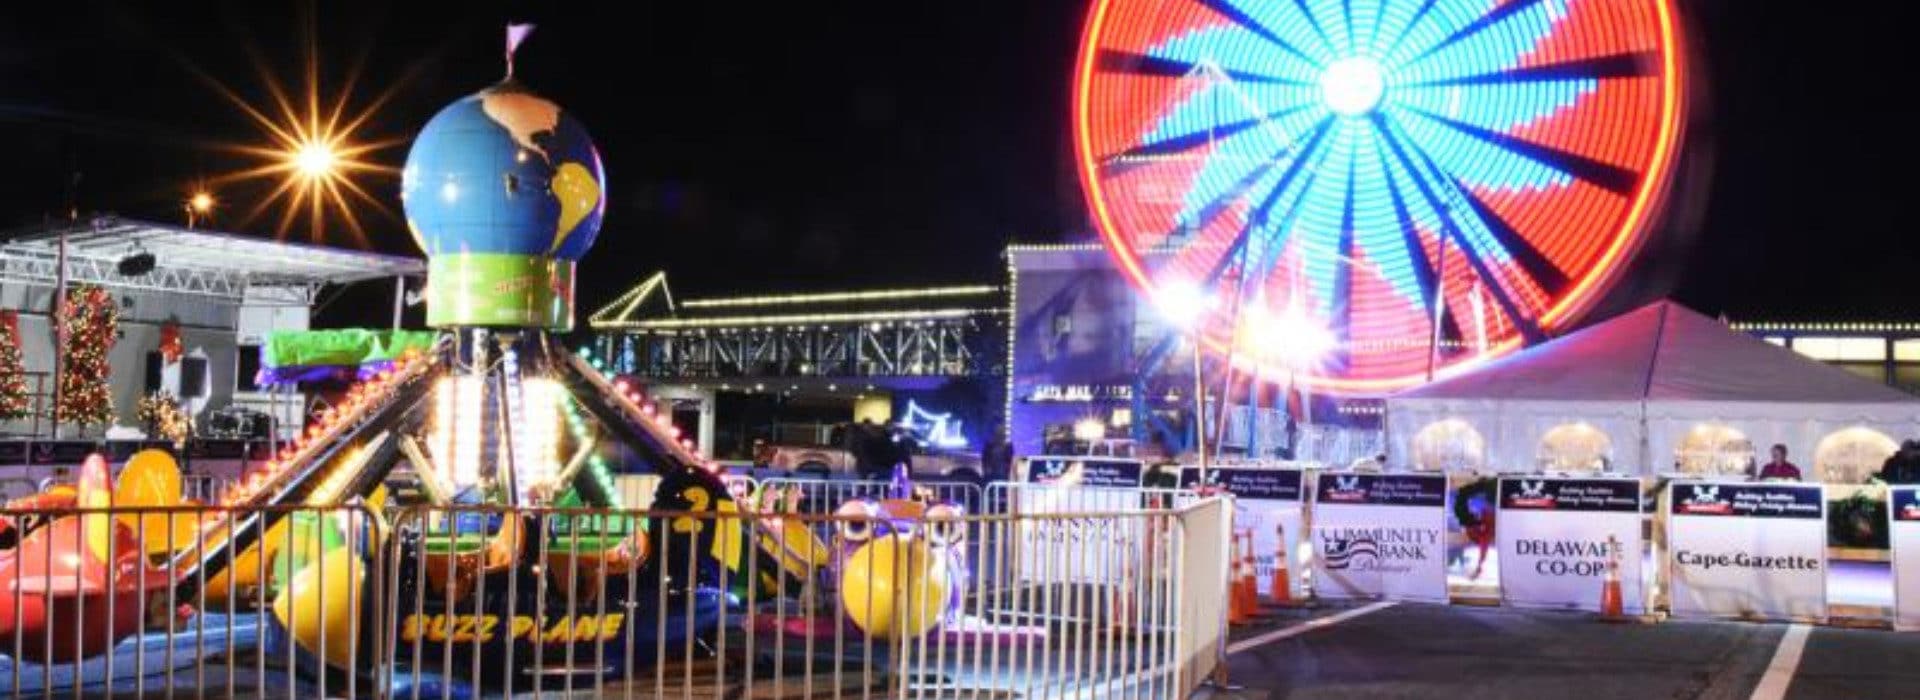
[932, 333]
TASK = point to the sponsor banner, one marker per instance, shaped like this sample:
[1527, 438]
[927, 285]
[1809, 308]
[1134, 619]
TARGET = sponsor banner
[1558, 537]
[1085, 471]
[1904, 531]
[1583, 495]
[1099, 543]
[1267, 502]
[1747, 550]
[1741, 500]
[1414, 490]
[1249, 483]
[1380, 535]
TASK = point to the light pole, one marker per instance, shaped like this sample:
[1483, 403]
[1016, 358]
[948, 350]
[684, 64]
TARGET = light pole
[1185, 306]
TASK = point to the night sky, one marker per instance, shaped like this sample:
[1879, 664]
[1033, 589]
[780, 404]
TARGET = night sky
[826, 145]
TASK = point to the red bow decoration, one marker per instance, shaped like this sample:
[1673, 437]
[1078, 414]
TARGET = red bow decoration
[170, 346]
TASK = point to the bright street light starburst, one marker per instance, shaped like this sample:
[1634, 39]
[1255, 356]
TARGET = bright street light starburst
[314, 150]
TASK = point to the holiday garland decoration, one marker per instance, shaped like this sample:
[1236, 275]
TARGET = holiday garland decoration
[162, 416]
[13, 370]
[1859, 520]
[92, 323]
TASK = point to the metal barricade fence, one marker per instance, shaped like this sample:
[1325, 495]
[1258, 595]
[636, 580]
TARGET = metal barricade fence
[190, 601]
[884, 607]
[636, 490]
[206, 601]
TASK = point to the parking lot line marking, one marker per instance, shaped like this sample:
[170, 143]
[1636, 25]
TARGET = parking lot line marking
[1308, 626]
[1786, 660]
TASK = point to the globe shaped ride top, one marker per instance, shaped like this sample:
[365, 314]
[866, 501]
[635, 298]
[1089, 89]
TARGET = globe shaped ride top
[504, 192]
[1332, 177]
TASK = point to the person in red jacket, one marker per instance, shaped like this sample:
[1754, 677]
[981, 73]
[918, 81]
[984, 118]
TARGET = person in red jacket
[1779, 469]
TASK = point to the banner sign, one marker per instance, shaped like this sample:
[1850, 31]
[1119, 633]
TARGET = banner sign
[1747, 550]
[1417, 490]
[1268, 502]
[1085, 471]
[1380, 535]
[1099, 544]
[1903, 509]
[1558, 537]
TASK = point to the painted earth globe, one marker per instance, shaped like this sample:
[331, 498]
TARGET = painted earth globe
[504, 192]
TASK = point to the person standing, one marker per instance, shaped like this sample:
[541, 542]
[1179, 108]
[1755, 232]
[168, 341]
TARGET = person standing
[1903, 467]
[1779, 469]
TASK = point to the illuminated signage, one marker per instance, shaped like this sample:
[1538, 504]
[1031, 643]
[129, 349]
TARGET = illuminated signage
[1080, 393]
[486, 628]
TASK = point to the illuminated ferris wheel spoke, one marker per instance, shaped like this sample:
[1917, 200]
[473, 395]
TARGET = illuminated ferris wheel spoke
[1429, 178]
[1500, 13]
[1407, 30]
[1247, 22]
[1598, 173]
[1535, 264]
[1423, 273]
[1257, 219]
[1314, 22]
[1182, 143]
[1128, 63]
[1631, 64]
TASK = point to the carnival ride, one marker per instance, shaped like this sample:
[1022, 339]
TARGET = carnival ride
[508, 435]
[1354, 199]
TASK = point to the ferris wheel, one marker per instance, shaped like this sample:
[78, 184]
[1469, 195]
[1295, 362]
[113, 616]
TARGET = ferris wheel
[1401, 187]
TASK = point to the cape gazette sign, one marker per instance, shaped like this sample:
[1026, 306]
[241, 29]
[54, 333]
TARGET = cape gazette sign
[1903, 509]
[1380, 535]
[1557, 537]
[1268, 502]
[1747, 550]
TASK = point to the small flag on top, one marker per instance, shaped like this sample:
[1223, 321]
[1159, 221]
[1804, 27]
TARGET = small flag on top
[516, 33]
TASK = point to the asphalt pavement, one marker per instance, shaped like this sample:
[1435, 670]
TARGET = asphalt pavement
[1429, 651]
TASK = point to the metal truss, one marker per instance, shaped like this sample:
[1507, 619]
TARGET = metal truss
[33, 267]
[960, 347]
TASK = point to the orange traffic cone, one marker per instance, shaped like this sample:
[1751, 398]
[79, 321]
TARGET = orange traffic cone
[1238, 612]
[1611, 600]
[1249, 577]
[1282, 581]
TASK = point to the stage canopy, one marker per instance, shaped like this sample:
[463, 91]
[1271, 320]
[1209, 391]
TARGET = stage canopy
[1659, 389]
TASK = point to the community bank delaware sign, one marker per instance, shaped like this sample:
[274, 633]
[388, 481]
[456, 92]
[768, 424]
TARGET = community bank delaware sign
[1904, 531]
[1557, 538]
[1747, 550]
[1380, 535]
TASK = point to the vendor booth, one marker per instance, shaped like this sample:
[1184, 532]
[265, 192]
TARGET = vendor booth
[1658, 390]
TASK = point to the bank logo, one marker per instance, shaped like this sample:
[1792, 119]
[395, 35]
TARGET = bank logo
[1705, 499]
[1533, 494]
[1347, 488]
[1342, 553]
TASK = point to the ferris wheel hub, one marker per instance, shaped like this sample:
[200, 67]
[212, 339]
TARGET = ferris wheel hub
[1353, 86]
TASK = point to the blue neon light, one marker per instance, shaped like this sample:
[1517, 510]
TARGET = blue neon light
[937, 429]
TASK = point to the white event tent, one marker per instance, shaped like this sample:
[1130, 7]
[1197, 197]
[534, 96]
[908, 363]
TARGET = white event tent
[1659, 389]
